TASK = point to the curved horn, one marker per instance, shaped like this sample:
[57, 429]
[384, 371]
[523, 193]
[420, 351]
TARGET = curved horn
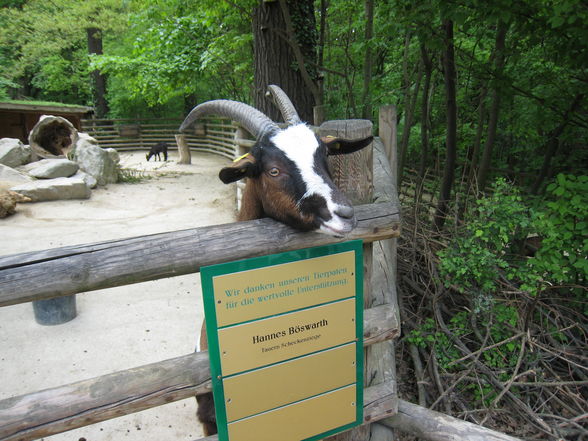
[252, 119]
[283, 103]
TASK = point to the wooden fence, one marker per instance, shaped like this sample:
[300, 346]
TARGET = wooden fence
[212, 135]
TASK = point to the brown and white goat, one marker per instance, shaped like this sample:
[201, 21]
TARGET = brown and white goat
[288, 180]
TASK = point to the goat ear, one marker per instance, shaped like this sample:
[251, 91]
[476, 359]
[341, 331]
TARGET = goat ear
[340, 146]
[243, 167]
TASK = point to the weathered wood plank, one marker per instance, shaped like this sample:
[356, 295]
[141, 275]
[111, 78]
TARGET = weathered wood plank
[75, 269]
[435, 426]
[381, 357]
[63, 408]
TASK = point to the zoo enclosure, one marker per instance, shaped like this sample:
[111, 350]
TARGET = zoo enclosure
[78, 269]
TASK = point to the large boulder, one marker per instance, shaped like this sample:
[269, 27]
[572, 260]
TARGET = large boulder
[13, 152]
[53, 168]
[10, 177]
[52, 136]
[54, 189]
[96, 161]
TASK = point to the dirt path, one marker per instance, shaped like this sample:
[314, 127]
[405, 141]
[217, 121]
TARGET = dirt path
[122, 327]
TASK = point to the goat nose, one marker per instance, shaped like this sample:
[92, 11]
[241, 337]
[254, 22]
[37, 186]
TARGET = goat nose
[344, 211]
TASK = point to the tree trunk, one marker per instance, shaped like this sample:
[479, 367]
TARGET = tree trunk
[283, 45]
[486, 159]
[425, 111]
[552, 144]
[367, 64]
[451, 137]
[409, 111]
[98, 79]
[473, 157]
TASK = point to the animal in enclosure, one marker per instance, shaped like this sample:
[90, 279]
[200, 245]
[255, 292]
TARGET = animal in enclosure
[287, 173]
[156, 150]
[288, 179]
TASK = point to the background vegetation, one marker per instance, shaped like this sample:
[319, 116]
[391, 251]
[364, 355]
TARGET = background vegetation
[493, 128]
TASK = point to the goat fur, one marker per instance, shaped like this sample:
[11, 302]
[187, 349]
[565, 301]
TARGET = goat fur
[156, 150]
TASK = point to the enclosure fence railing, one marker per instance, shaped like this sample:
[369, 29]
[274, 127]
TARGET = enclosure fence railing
[212, 135]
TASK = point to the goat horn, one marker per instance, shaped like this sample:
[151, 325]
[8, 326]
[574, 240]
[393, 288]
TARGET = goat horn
[282, 101]
[252, 119]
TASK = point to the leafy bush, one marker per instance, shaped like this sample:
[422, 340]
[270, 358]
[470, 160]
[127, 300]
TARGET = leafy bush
[562, 224]
[483, 252]
[487, 249]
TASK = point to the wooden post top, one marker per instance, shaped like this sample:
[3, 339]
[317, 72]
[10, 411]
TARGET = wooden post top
[352, 173]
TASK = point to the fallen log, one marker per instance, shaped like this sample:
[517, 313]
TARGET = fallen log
[435, 426]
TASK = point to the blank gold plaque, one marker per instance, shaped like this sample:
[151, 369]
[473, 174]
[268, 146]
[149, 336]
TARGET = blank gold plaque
[300, 420]
[275, 339]
[267, 388]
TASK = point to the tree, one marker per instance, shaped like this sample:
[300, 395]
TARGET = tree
[285, 53]
[451, 136]
[48, 46]
[99, 80]
[495, 107]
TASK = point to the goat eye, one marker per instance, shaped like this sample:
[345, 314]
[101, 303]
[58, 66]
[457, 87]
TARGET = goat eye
[274, 172]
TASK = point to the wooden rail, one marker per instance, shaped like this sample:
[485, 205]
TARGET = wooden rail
[80, 268]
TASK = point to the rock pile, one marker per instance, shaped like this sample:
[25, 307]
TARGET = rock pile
[58, 163]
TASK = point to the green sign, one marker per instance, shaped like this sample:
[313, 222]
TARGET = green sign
[285, 338]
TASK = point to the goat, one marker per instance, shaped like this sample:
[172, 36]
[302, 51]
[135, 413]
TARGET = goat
[160, 147]
[288, 180]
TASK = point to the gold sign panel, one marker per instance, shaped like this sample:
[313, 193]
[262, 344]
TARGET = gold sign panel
[292, 423]
[285, 343]
[271, 340]
[271, 290]
[311, 375]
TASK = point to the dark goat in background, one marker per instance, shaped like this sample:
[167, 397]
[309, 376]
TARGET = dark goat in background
[160, 147]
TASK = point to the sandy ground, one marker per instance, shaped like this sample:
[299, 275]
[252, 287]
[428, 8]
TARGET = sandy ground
[123, 327]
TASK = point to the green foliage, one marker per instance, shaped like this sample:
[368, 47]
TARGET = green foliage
[562, 224]
[499, 321]
[131, 176]
[45, 46]
[176, 51]
[488, 249]
[482, 252]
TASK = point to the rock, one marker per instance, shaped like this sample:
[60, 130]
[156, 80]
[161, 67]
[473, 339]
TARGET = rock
[10, 177]
[52, 136]
[113, 155]
[54, 189]
[90, 180]
[8, 200]
[13, 152]
[54, 168]
[96, 161]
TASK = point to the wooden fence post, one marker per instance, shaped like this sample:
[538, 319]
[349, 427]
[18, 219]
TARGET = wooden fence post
[353, 174]
[183, 150]
[384, 274]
